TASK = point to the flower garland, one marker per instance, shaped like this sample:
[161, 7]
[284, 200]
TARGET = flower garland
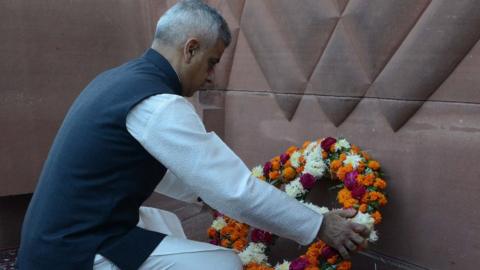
[360, 183]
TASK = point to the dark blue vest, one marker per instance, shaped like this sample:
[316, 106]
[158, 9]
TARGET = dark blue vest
[97, 175]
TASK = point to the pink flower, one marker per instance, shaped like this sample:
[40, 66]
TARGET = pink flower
[214, 242]
[307, 180]
[298, 264]
[358, 191]
[351, 180]
[328, 252]
[266, 168]
[284, 158]
[261, 236]
[327, 143]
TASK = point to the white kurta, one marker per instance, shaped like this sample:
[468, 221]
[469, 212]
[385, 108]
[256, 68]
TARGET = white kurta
[201, 165]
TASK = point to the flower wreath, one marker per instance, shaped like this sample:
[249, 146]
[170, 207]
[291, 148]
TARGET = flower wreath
[361, 186]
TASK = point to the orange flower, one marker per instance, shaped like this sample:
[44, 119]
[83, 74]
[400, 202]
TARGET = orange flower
[343, 195]
[355, 149]
[273, 175]
[374, 165]
[291, 149]
[368, 179]
[256, 266]
[324, 154]
[345, 265]
[350, 203]
[343, 170]
[377, 216]
[240, 244]
[300, 169]
[365, 155]
[335, 165]
[361, 167]
[227, 230]
[332, 148]
[363, 208]
[225, 243]
[333, 259]
[343, 156]
[289, 173]
[305, 144]
[288, 163]
[275, 165]
[212, 232]
[380, 183]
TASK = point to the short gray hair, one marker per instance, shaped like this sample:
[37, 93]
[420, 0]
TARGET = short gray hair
[192, 18]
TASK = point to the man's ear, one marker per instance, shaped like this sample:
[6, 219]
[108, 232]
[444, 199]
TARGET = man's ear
[191, 48]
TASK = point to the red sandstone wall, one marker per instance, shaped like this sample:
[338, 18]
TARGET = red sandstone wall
[399, 78]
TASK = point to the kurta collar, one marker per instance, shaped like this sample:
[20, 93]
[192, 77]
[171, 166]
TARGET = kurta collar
[161, 63]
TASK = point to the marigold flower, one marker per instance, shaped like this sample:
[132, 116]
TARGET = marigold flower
[324, 154]
[355, 149]
[363, 208]
[374, 165]
[273, 175]
[343, 156]
[312, 267]
[225, 243]
[334, 165]
[350, 203]
[212, 232]
[300, 169]
[227, 230]
[292, 149]
[240, 244]
[345, 265]
[275, 165]
[380, 183]
[365, 155]
[368, 179]
[361, 167]
[289, 173]
[332, 260]
[305, 144]
[377, 216]
[343, 195]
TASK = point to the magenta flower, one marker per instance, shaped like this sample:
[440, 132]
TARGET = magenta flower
[214, 242]
[327, 143]
[358, 191]
[351, 180]
[266, 168]
[328, 252]
[298, 264]
[307, 180]
[284, 158]
[261, 236]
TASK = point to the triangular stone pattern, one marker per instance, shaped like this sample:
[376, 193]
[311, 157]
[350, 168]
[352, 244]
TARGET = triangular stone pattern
[348, 50]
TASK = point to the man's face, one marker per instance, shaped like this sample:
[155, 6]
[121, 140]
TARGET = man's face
[201, 67]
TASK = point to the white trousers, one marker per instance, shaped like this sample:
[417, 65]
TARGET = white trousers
[176, 252]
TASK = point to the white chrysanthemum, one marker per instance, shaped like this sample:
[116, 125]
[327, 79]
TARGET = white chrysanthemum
[364, 219]
[284, 266]
[373, 236]
[315, 154]
[295, 159]
[321, 210]
[219, 223]
[315, 168]
[310, 147]
[295, 188]
[255, 252]
[257, 171]
[352, 159]
[342, 144]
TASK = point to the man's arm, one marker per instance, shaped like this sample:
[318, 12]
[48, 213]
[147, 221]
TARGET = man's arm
[173, 133]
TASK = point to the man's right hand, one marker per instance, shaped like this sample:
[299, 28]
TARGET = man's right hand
[342, 234]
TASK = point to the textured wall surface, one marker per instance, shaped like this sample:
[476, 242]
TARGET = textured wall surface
[398, 78]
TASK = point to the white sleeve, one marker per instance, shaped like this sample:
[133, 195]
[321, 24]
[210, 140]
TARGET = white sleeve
[174, 134]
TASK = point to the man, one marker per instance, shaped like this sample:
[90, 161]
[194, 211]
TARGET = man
[131, 127]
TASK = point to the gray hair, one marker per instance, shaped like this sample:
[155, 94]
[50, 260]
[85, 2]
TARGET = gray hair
[192, 18]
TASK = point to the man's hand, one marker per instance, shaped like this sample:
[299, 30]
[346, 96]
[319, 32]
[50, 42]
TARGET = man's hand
[341, 234]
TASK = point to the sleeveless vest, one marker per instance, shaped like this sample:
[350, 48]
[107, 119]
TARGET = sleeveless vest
[97, 176]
